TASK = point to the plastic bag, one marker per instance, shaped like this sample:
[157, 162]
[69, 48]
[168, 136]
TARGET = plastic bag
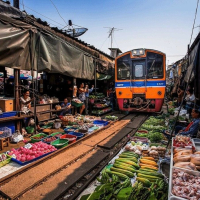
[17, 137]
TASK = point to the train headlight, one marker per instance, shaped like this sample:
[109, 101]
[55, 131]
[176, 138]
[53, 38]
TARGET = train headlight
[138, 52]
[159, 92]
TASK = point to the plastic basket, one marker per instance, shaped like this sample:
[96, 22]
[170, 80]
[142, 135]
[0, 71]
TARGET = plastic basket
[78, 135]
[37, 135]
[5, 162]
[59, 143]
[49, 137]
[29, 129]
[68, 130]
[100, 122]
[8, 114]
[71, 138]
[56, 133]
[76, 104]
[7, 132]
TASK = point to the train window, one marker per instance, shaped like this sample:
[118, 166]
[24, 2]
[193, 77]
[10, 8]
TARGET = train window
[138, 70]
[123, 68]
[154, 65]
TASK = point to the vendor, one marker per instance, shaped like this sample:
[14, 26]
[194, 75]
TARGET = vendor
[189, 101]
[67, 107]
[180, 93]
[82, 96]
[26, 106]
[192, 129]
[88, 91]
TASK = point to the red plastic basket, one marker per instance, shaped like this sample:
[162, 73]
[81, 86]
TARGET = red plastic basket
[69, 137]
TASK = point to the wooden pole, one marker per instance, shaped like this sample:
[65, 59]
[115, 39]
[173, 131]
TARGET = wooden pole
[17, 102]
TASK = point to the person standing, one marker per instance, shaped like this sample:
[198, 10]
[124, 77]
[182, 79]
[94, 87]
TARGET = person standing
[87, 93]
[180, 93]
[82, 97]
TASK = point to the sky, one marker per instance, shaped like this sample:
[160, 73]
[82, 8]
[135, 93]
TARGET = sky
[164, 25]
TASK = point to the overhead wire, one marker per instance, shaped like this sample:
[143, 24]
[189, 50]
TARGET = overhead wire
[43, 15]
[59, 13]
[194, 21]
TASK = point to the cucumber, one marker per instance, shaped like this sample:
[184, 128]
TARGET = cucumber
[121, 166]
[151, 173]
[130, 153]
[150, 178]
[128, 158]
[128, 162]
[125, 164]
[145, 181]
[121, 176]
[123, 171]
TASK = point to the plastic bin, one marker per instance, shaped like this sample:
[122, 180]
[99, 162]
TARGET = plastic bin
[78, 135]
[71, 138]
[10, 125]
[76, 104]
[37, 135]
[7, 132]
[8, 114]
[100, 122]
[59, 143]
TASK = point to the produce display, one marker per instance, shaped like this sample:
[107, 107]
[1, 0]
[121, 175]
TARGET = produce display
[182, 141]
[185, 185]
[76, 100]
[37, 149]
[112, 118]
[130, 167]
[99, 112]
[100, 105]
[38, 137]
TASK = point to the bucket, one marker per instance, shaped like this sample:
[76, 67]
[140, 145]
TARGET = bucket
[78, 135]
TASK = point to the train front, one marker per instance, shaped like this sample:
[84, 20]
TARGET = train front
[140, 80]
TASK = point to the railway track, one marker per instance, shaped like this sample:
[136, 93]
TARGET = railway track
[68, 171]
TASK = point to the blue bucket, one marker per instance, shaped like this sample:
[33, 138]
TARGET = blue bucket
[78, 135]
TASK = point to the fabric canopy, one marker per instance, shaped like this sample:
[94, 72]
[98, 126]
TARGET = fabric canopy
[57, 56]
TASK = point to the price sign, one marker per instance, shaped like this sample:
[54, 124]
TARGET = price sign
[28, 146]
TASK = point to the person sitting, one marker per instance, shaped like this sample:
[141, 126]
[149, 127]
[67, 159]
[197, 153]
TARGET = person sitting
[67, 107]
[26, 106]
[189, 100]
[192, 129]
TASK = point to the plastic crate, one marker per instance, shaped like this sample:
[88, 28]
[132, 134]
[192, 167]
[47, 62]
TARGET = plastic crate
[59, 143]
[100, 122]
[27, 162]
[7, 132]
[37, 135]
[71, 138]
[78, 135]
[5, 162]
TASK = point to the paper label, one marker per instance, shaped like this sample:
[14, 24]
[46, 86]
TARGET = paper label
[28, 146]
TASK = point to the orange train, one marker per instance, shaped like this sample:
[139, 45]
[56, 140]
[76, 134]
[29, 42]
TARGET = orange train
[140, 80]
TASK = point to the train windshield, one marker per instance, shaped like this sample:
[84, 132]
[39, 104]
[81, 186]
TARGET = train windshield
[123, 68]
[154, 65]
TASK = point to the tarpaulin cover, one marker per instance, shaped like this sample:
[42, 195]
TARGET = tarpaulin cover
[57, 56]
[192, 64]
[15, 43]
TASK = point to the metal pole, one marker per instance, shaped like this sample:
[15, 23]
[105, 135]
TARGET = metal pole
[95, 77]
[16, 3]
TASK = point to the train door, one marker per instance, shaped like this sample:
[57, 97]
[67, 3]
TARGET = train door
[139, 77]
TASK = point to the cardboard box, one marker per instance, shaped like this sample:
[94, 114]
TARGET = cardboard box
[7, 105]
